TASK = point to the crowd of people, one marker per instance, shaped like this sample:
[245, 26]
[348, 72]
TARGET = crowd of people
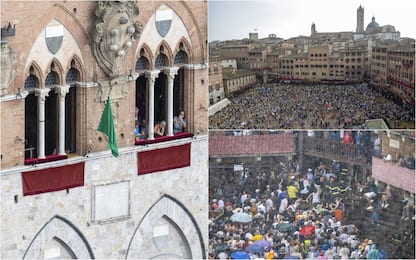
[294, 215]
[292, 106]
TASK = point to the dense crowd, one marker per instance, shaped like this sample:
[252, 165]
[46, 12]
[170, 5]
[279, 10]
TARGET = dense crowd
[292, 215]
[284, 106]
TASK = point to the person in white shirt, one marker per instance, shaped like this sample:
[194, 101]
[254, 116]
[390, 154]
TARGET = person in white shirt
[243, 198]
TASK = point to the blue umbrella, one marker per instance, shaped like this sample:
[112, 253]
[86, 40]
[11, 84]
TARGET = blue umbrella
[255, 248]
[240, 255]
[264, 244]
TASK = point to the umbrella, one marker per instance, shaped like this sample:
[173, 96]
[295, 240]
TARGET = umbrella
[257, 237]
[255, 248]
[307, 231]
[241, 217]
[264, 244]
[285, 227]
[240, 255]
[221, 247]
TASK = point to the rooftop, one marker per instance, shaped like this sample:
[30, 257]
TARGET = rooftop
[252, 144]
[231, 73]
[375, 124]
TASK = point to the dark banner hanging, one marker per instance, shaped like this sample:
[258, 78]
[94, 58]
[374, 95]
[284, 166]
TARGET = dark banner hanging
[53, 179]
[164, 159]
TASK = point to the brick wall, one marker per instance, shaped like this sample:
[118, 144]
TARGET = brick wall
[252, 144]
[12, 133]
[31, 17]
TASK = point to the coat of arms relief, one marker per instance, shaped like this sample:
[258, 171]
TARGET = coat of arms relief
[115, 31]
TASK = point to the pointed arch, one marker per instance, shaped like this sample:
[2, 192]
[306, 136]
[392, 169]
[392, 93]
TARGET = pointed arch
[55, 66]
[33, 70]
[71, 23]
[164, 48]
[172, 214]
[63, 231]
[183, 45]
[55, 246]
[142, 64]
[199, 40]
[76, 63]
[161, 61]
[186, 14]
[180, 58]
[145, 49]
[144, 58]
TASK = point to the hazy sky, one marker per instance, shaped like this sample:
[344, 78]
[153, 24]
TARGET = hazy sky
[232, 19]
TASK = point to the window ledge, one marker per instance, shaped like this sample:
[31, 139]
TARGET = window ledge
[165, 138]
[49, 158]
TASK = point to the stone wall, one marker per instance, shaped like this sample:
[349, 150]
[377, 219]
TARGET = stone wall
[175, 199]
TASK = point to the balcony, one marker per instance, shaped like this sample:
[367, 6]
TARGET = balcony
[164, 138]
[332, 150]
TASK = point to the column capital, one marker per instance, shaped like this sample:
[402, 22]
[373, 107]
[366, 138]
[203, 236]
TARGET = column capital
[42, 93]
[132, 76]
[151, 74]
[171, 71]
[62, 90]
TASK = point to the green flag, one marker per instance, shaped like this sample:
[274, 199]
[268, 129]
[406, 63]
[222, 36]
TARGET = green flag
[107, 127]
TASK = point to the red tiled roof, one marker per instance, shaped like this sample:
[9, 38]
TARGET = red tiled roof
[394, 175]
[252, 144]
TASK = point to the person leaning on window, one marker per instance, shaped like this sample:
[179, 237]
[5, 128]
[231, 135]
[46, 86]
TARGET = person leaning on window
[137, 131]
[159, 129]
[179, 123]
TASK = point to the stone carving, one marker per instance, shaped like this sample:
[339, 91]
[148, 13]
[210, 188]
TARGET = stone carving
[115, 88]
[8, 70]
[115, 29]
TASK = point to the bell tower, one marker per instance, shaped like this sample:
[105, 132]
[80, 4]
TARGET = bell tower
[360, 20]
[313, 29]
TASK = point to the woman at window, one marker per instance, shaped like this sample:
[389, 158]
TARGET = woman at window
[159, 129]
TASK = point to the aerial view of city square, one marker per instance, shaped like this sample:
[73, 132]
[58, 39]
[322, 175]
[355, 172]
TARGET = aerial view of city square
[325, 74]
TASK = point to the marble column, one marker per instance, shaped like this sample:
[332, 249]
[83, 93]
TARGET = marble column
[171, 73]
[62, 91]
[150, 90]
[41, 94]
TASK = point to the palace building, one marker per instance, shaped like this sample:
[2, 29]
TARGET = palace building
[64, 195]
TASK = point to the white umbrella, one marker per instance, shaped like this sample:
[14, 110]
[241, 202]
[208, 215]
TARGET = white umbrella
[241, 217]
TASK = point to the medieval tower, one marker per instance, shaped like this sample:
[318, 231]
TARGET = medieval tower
[360, 20]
